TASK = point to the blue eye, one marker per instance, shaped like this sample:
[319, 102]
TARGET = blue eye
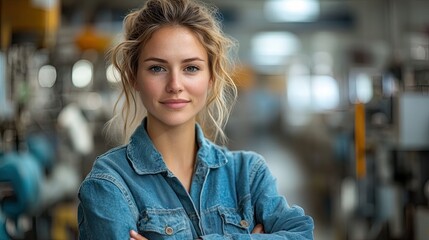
[157, 69]
[191, 69]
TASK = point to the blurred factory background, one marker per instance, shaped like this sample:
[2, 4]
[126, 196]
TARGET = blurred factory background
[334, 93]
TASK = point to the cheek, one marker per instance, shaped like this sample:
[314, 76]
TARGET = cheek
[201, 89]
[147, 86]
[147, 91]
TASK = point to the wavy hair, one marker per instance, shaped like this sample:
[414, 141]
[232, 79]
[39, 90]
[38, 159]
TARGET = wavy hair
[204, 22]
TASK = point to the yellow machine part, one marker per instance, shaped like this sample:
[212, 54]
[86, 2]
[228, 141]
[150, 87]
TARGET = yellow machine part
[25, 16]
[360, 147]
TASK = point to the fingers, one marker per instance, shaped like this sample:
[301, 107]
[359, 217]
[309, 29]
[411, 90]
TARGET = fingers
[259, 228]
[135, 236]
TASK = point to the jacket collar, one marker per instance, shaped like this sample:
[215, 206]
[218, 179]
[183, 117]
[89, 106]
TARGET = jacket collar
[145, 158]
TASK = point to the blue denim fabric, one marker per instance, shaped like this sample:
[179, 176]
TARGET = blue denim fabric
[130, 187]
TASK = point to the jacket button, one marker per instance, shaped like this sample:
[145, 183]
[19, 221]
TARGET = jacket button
[169, 230]
[244, 223]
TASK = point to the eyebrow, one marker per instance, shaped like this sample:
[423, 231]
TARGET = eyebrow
[165, 61]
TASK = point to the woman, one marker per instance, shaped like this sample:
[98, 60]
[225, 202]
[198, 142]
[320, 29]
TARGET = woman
[170, 181]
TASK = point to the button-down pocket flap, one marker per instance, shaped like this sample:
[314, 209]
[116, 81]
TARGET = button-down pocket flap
[163, 221]
[230, 216]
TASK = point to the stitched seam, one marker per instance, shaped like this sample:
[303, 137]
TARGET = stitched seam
[124, 191]
[255, 169]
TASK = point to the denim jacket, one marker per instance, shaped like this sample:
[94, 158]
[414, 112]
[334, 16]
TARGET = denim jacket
[130, 187]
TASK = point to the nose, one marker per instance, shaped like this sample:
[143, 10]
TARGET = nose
[174, 84]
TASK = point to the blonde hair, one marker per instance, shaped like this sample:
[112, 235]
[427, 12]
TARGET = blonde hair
[203, 21]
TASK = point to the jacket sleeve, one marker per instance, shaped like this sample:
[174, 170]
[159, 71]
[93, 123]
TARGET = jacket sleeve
[104, 211]
[280, 220]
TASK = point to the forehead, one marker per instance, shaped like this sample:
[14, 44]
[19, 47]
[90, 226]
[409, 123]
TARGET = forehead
[174, 41]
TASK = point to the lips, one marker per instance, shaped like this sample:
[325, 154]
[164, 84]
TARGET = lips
[175, 103]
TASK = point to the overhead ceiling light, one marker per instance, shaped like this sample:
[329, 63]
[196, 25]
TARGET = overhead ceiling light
[325, 93]
[292, 10]
[112, 74]
[273, 48]
[47, 76]
[82, 73]
[364, 90]
[360, 87]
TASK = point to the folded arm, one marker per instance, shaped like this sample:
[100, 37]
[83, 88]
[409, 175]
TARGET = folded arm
[279, 220]
[104, 212]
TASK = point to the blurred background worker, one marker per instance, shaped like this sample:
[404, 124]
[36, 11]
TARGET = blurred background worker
[334, 94]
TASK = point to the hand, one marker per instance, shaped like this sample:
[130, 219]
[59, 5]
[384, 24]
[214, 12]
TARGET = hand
[135, 236]
[259, 228]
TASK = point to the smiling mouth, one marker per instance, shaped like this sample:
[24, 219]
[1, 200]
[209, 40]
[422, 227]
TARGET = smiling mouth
[175, 103]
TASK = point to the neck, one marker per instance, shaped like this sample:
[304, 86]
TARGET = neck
[177, 145]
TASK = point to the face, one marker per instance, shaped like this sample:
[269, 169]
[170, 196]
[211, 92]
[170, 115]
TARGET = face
[173, 76]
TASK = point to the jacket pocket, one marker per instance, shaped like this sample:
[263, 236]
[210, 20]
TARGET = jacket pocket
[164, 224]
[234, 222]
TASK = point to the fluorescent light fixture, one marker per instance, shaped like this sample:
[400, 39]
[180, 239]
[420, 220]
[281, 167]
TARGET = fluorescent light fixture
[47, 76]
[273, 48]
[325, 93]
[360, 87]
[364, 90]
[292, 10]
[112, 74]
[82, 73]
